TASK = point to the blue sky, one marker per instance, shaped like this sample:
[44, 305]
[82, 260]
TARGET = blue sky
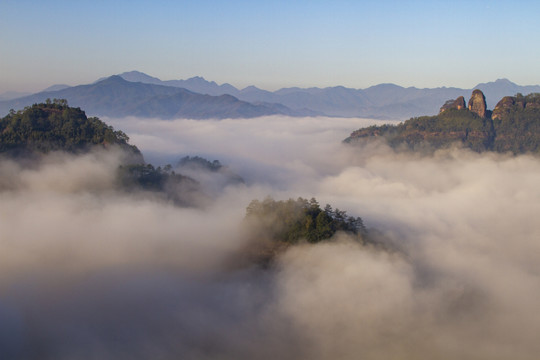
[271, 44]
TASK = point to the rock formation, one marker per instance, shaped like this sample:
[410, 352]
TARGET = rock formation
[477, 103]
[504, 106]
[515, 103]
[458, 104]
[512, 127]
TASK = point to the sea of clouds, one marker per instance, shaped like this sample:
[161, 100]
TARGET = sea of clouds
[90, 272]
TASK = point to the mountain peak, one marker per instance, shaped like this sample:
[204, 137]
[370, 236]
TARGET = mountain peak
[504, 81]
[199, 80]
[250, 88]
[133, 72]
[499, 82]
[137, 76]
[115, 78]
[386, 86]
[477, 103]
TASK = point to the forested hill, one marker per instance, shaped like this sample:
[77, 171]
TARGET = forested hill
[53, 126]
[276, 225]
[513, 126]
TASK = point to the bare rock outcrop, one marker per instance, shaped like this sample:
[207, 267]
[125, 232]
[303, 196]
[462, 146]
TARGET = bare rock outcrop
[477, 103]
[504, 106]
[458, 104]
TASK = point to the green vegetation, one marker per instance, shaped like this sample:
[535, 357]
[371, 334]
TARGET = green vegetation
[146, 176]
[199, 162]
[276, 225]
[433, 132]
[54, 125]
[292, 220]
[194, 165]
[514, 126]
[180, 189]
[517, 124]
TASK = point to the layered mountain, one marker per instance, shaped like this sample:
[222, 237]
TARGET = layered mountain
[196, 84]
[513, 126]
[117, 97]
[9, 95]
[383, 101]
[144, 95]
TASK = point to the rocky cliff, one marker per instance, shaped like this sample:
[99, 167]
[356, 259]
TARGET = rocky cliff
[457, 104]
[477, 103]
[513, 126]
[509, 104]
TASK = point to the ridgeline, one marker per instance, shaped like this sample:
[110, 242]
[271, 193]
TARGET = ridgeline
[513, 126]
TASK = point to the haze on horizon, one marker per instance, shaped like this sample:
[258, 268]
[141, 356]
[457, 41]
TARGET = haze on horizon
[271, 45]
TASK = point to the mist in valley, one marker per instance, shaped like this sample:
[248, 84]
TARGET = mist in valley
[91, 272]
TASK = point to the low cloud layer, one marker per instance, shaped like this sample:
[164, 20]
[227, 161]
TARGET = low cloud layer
[89, 272]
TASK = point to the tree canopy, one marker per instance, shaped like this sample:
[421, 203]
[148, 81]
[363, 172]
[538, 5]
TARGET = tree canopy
[514, 126]
[199, 162]
[54, 125]
[291, 220]
[180, 189]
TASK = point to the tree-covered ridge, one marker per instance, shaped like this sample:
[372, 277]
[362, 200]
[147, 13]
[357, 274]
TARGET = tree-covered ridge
[433, 132]
[273, 226]
[513, 126]
[199, 162]
[54, 125]
[180, 189]
[292, 220]
[146, 176]
[516, 120]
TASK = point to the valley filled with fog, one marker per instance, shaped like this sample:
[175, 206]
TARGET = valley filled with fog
[90, 272]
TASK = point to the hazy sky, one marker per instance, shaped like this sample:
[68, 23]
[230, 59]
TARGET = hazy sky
[271, 44]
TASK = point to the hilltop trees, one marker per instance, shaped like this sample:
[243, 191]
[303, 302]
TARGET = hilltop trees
[52, 126]
[275, 225]
[513, 126]
[291, 220]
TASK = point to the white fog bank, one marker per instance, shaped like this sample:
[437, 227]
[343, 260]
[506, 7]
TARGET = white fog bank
[89, 272]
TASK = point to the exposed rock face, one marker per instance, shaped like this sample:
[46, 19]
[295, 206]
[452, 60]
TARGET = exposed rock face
[458, 104]
[504, 106]
[515, 103]
[477, 103]
[512, 127]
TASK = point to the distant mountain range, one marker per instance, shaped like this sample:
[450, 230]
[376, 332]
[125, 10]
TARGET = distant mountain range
[116, 97]
[138, 94]
[9, 95]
